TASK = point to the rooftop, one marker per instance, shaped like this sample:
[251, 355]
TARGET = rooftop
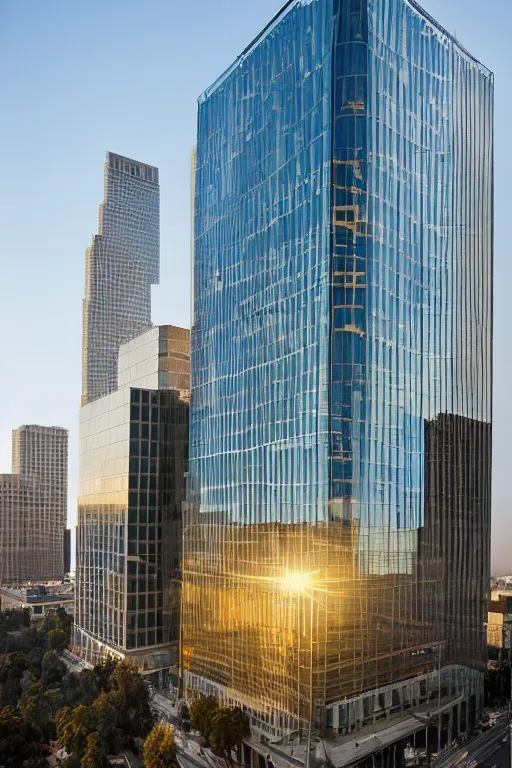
[290, 4]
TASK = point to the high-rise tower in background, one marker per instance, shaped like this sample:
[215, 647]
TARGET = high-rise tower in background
[33, 506]
[133, 439]
[122, 264]
[340, 453]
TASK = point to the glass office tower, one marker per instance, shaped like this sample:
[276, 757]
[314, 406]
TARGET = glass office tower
[336, 548]
[122, 264]
[131, 487]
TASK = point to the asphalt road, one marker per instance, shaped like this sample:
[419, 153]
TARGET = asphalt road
[500, 758]
[485, 749]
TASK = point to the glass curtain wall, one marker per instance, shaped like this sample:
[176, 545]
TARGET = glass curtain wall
[339, 495]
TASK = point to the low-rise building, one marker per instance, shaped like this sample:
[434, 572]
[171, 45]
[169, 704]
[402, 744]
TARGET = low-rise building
[40, 600]
[499, 621]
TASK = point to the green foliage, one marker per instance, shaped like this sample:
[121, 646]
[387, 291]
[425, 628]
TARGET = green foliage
[102, 674]
[74, 726]
[26, 641]
[229, 727]
[117, 711]
[38, 707]
[36, 660]
[49, 622]
[202, 713]
[53, 669]
[159, 747]
[79, 688]
[133, 699]
[58, 619]
[72, 761]
[12, 735]
[14, 620]
[95, 752]
[110, 724]
[90, 714]
[57, 640]
[12, 667]
[64, 622]
[37, 681]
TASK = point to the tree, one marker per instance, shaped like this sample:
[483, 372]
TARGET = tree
[159, 749]
[74, 726]
[53, 669]
[12, 735]
[64, 622]
[38, 707]
[202, 712]
[133, 699]
[72, 761]
[14, 619]
[36, 660]
[229, 727]
[12, 667]
[26, 680]
[241, 726]
[57, 640]
[102, 674]
[79, 688]
[95, 755]
[49, 622]
[110, 728]
[26, 641]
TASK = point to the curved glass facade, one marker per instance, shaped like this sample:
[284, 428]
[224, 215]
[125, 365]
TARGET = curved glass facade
[337, 534]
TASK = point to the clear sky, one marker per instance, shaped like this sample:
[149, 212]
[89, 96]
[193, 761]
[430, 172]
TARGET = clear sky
[79, 77]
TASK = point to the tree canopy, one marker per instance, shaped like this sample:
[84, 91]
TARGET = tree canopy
[57, 640]
[221, 727]
[202, 712]
[95, 755]
[159, 748]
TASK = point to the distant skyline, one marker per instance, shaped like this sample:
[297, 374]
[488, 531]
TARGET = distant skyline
[83, 78]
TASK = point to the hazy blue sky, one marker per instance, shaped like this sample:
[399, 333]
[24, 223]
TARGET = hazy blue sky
[79, 77]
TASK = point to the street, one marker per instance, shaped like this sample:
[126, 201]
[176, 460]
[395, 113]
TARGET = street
[487, 750]
[500, 758]
[189, 752]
